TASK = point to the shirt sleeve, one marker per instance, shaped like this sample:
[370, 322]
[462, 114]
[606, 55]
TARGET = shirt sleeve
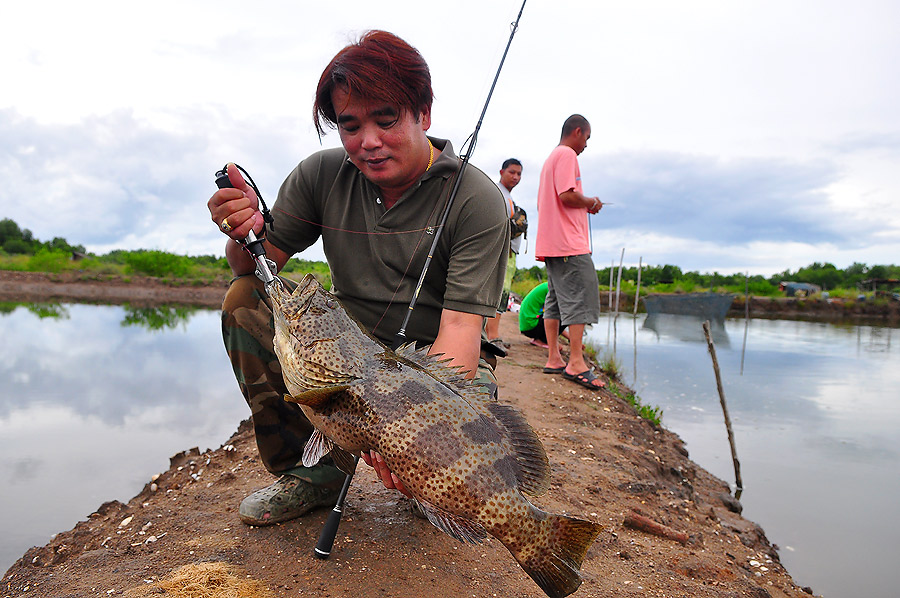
[565, 172]
[479, 250]
[297, 219]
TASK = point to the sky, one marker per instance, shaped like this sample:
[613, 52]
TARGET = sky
[732, 136]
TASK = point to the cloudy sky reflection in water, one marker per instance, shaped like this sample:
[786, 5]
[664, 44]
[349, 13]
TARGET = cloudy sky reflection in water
[91, 409]
[815, 418]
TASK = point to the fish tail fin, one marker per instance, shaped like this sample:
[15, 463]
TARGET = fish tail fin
[555, 560]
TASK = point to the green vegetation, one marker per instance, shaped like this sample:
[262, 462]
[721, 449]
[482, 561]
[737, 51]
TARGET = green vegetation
[19, 250]
[671, 279]
[649, 413]
[157, 318]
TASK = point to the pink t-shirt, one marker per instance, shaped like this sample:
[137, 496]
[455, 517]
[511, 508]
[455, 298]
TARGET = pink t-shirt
[562, 230]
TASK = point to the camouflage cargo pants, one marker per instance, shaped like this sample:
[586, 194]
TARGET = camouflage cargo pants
[281, 428]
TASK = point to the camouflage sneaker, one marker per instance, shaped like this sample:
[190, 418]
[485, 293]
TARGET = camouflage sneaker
[288, 498]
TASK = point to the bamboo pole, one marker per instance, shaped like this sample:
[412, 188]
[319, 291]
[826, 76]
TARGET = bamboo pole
[619, 280]
[612, 267]
[746, 318]
[712, 352]
[637, 293]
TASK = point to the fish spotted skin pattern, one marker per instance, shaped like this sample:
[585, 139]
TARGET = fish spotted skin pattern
[467, 460]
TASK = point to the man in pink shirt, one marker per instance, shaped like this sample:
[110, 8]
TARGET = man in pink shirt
[563, 244]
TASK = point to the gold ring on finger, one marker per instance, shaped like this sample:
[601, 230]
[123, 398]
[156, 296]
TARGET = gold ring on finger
[225, 226]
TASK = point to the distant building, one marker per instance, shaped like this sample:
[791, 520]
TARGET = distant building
[798, 289]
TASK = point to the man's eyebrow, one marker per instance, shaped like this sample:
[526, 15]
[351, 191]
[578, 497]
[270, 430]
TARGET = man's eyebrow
[385, 111]
[376, 113]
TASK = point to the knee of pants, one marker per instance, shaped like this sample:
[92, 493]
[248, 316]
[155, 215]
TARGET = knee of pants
[243, 291]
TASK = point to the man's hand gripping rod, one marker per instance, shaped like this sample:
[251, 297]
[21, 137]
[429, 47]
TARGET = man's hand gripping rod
[265, 268]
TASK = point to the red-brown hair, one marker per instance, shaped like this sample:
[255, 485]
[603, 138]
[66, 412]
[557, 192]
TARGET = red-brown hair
[380, 67]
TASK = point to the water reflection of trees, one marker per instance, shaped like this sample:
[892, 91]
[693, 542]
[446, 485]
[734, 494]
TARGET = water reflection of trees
[158, 318]
[56, 311]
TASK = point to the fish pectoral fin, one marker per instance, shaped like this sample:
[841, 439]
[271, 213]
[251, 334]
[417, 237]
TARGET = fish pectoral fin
[460, 528]
[316, 397]
[319, 445]
[316, 447]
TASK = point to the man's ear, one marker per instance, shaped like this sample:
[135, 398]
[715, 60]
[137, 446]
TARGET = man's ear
[425, 118]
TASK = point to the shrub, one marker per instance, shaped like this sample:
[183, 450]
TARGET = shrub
[157, 263]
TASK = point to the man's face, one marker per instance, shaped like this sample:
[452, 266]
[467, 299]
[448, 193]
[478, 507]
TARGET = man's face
[387, 145]
[581, 138]
[510, 176]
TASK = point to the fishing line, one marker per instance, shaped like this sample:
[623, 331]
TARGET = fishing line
[401, 334]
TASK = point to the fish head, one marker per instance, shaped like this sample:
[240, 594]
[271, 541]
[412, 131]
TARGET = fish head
[317, 342]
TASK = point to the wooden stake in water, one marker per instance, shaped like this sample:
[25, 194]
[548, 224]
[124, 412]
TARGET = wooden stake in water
[619, 280]
[612, 267]
[746, 318]
[734, 457]
[618, 286]
[637, 293]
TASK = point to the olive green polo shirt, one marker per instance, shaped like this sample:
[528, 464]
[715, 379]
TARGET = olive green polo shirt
[376, 255]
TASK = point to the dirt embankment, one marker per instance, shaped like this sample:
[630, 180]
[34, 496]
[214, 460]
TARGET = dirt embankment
[134, 290]
[669, 527]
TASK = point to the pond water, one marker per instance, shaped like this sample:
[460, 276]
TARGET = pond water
[94, 400]
[815, 410]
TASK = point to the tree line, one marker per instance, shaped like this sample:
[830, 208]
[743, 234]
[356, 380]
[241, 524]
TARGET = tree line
[20, 250]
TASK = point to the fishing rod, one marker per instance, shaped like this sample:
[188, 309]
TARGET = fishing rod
[400, 339]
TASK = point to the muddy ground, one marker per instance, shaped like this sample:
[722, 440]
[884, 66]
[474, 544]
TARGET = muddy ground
[608, 465]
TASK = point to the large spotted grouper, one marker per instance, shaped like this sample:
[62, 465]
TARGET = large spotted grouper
[466, 459]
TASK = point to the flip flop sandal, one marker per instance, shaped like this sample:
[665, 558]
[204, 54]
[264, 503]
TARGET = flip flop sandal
[561, 370]
[585, 379]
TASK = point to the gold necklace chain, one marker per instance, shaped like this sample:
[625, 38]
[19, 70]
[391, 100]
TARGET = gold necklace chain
[431, 157]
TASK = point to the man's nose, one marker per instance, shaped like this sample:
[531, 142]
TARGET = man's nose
[371, 138]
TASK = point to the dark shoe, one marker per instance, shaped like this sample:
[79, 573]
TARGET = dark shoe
[561, 370]
[586, 379]
[288, 498]
[500, 342]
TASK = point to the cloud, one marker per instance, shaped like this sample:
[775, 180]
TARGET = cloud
[713, 200]
[119, 182]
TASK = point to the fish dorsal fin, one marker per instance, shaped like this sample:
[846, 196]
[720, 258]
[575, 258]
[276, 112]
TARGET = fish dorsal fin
[319, 445]
[460, 528]
[533, 473]
[438, 366]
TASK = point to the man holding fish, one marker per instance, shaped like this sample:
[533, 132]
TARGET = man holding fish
[376, 204]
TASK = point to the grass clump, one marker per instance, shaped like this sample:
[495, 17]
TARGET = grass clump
[652, 414]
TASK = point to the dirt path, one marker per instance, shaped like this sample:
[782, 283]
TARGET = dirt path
[607, 466]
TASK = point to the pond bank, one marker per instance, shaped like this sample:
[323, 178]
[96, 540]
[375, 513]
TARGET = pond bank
[145, 290]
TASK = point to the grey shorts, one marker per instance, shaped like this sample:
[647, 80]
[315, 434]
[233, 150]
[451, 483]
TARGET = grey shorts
[573, 296]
